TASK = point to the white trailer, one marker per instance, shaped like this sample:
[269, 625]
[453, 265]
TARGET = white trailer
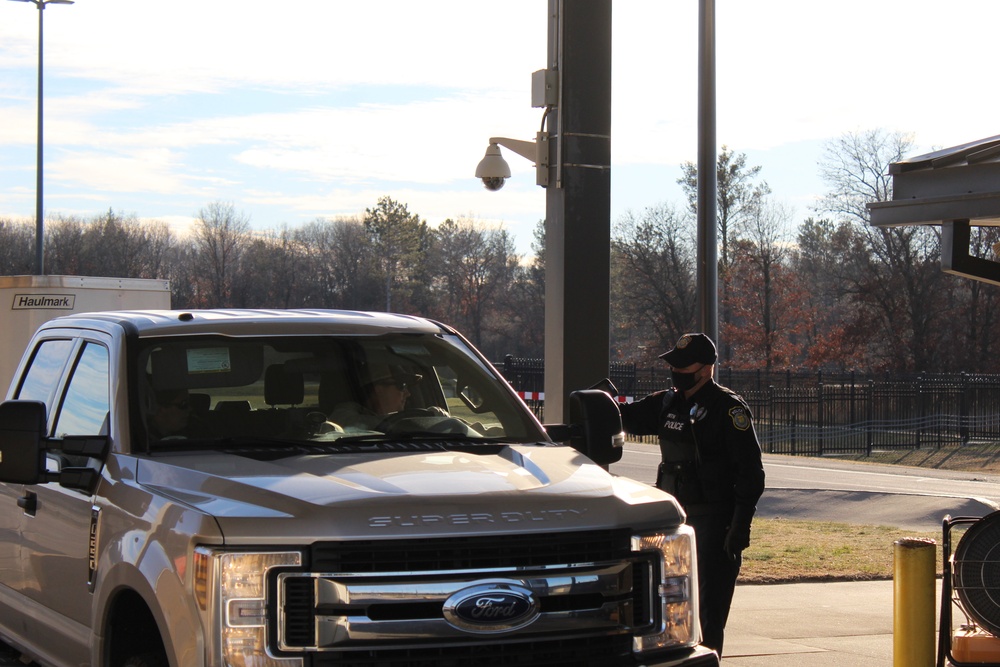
[27, 302]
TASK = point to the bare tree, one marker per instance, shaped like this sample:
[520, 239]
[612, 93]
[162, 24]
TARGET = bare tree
[278, 264]
[17, 247]
[831, 314]
[766, 303]
[653, 286]
[894, 277]
[63, 241]
[222, 235]
[120, 245]
[476, 265]
[341, 264]
[738, 193]
[520, 323]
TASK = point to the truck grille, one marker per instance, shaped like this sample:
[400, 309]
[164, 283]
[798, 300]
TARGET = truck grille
[380, 602]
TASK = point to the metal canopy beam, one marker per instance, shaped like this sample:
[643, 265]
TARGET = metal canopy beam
[957, 188]
[955, 258]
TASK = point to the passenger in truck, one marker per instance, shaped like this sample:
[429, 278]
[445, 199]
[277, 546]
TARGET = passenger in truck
[172, 417]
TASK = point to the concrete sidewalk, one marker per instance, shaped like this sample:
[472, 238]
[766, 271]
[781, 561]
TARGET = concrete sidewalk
[835, 623]
[790, 625]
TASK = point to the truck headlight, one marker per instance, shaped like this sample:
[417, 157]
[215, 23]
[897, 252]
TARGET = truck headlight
[676, 589]
[231, 590]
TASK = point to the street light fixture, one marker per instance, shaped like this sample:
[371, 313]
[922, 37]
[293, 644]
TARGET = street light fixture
[39, 221]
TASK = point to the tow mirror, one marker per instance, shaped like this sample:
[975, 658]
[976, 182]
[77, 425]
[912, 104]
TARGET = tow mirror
[22, 434]
[596, 426]
[23, 448]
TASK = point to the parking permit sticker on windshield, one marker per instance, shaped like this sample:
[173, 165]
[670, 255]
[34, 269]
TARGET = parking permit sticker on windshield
[209, 360]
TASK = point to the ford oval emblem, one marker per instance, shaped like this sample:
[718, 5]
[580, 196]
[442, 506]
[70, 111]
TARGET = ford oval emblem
[491, 606]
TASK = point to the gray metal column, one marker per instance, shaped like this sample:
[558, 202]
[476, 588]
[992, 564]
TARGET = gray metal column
[578, 203]
[708, 182]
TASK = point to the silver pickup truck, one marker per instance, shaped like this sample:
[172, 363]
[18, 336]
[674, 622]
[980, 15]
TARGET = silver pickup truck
[320, 489]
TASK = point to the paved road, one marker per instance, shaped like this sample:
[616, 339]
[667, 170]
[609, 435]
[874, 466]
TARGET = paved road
[794, 472]
[915, 499]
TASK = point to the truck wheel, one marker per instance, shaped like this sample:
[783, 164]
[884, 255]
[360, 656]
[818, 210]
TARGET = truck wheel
[146, 660]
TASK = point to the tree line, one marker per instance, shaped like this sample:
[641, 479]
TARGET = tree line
[831, 292]
[462, 272]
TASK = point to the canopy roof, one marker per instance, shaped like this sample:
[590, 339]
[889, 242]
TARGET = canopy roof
[957, 188]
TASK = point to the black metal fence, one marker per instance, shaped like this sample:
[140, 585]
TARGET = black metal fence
[817, 414]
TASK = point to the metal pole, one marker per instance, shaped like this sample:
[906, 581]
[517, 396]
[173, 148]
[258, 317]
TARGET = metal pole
[578, 204]
[708, 250]
[39, 221]
[913, 603]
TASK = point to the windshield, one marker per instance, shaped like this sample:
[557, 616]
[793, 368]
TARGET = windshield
[323, 389]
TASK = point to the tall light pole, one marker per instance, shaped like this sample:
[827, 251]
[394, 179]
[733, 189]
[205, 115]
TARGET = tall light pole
[39, 220]
[708, 185]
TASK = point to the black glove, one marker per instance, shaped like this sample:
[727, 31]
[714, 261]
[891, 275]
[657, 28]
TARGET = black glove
[738, 535]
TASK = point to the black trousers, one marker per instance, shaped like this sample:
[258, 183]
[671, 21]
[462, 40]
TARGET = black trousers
[717, 575]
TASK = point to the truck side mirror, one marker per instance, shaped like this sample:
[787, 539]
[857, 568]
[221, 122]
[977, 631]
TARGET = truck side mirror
[598, 426]
[22, 434]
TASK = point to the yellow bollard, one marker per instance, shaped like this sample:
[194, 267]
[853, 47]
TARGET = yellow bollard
[913, 603]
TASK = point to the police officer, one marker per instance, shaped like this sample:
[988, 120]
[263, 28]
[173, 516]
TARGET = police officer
[711, 463]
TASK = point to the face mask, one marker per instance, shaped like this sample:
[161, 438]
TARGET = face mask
[684, 381]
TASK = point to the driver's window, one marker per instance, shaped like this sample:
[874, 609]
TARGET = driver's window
[42, 377]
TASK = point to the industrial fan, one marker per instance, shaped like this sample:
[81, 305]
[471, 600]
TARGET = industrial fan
[972, 582]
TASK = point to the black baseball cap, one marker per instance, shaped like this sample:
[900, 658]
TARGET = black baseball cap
[691, 348]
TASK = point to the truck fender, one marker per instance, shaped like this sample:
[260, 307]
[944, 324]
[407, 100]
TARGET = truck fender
[139, 562]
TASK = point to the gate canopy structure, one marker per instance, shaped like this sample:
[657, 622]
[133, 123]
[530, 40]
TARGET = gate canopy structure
[957, 188]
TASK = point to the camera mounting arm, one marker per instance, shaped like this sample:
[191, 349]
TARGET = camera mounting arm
[493, 169]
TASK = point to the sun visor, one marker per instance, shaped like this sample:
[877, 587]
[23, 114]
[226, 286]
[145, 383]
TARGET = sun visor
[199, 366]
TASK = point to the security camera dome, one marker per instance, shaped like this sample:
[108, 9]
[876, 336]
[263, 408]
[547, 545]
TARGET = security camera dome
[493, 169]
[494, 182]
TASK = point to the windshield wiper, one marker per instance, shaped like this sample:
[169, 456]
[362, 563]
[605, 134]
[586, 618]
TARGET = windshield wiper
[418, 436]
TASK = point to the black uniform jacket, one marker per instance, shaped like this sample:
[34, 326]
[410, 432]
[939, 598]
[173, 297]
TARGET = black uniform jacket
[711, 456]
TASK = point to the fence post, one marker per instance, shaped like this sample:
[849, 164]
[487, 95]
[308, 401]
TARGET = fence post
[773, 417]
[870, 410]
[963, 410]
[920, 408]
[819, 418]
[851, 408]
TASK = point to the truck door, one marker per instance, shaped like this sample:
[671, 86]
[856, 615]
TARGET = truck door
[40, 383]
[55, 527]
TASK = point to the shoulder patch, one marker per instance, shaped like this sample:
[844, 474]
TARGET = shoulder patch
[741, 420]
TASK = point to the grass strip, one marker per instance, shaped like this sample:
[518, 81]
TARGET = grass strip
[785, 551]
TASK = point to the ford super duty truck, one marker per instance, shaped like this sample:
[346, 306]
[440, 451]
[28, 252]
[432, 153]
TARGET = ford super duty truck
[210, 488]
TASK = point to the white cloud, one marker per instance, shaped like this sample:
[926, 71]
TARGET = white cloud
[396, 97]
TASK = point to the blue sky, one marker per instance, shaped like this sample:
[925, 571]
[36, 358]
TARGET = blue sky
[315, 109]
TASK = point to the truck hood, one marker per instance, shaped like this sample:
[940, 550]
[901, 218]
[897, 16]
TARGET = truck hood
[303, 497]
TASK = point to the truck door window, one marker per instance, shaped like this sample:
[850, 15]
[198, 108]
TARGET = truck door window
[45, 369]
[86, 405]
